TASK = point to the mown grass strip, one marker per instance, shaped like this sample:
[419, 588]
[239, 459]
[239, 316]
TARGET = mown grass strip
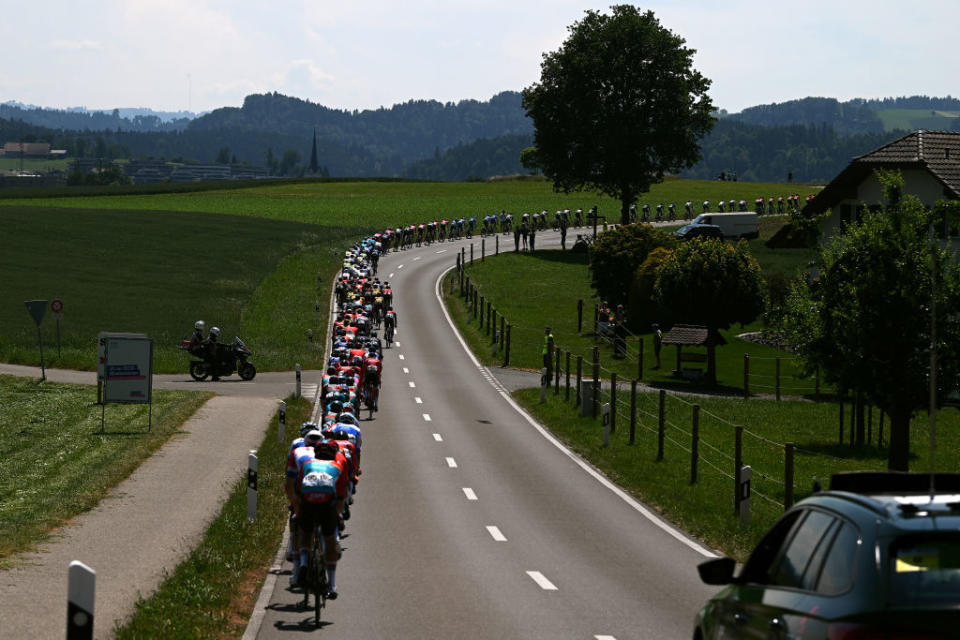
[211, 593]
[57, 463]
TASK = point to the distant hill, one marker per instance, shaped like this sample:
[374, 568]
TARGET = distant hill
[809, 140]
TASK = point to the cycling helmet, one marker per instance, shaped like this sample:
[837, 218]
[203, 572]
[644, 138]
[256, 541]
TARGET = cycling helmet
[199, 324]
[307, 427]
[215, 331]
[313, 436]
[326, 449]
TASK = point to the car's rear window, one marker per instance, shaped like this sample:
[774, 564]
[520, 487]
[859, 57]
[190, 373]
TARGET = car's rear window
[925, 569]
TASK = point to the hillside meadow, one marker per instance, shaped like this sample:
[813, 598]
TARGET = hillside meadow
[244, 259]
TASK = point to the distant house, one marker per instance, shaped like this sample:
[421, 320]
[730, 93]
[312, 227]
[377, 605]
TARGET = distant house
[928, 160]
[31, 150]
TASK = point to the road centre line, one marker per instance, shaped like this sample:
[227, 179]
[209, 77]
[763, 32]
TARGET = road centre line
[442, 251]
[398, 344]
[401, 355]
[400, 266]
[496, 534]
[471, 495]
[418, 399]
[451, 463]
[604, 638]
[539, 578]
[620, 493]
[438, 437]
[417, 258]
[413, 385]
[405, 370]
[427, 418]
[391, 275]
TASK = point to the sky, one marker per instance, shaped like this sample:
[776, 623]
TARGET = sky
[198, 55]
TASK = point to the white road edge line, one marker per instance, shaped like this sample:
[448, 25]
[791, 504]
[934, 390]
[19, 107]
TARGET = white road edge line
[438, 437]
[451, 463]
[471, 495]
[539, 578]
[620, 493]
[496, 534]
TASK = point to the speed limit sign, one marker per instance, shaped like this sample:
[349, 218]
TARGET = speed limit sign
[56, 306]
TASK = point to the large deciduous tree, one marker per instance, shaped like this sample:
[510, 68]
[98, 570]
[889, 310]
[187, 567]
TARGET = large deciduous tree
[711, 283]
[866, 320]
[618, 106]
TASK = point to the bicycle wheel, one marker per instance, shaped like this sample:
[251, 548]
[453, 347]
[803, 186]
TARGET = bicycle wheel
[319, 577]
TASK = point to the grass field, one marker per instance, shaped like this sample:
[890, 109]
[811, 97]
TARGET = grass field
[242, 259]
[141, 271]
[56, 461]
[913, 119]
[34, 164]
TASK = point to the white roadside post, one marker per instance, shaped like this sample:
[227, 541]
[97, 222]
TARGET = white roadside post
[282, 424]
[605, 419]
[252, 486]
[745, 473]
[297, 394]
[81, 595]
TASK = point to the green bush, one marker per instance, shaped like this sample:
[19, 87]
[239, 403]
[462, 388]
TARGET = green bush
[617, 254]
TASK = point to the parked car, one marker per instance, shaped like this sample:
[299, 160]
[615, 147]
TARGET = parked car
[733, 225]
[691, 231]
[877, 556]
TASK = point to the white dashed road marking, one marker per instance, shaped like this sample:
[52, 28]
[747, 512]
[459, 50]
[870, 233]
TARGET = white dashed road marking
[545, 584]
[495, 534]
[418, 400]
[405, 370]
[442, 251]
[471, 495]
[391, 275]
[427, 417]
[451, 463]
[604, 638]
[400, 266]
[413, 385]
[438, 437]
[417, 258]
[401, 355]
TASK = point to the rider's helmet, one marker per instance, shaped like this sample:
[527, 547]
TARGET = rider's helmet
[326, 449]
[214, 332]
[339, 434]
[307, 427]
[331, 370]
[199, 324]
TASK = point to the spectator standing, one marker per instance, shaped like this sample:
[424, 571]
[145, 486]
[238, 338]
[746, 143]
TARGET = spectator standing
[516, 238]
[533, 237]
[547, 353]
[524, 233]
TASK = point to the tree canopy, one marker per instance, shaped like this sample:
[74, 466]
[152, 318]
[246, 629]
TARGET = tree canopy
[618, 106]
[712, 283]
[866, 320]
[616, 255]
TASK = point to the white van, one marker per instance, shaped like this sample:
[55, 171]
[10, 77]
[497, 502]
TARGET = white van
[734, 225]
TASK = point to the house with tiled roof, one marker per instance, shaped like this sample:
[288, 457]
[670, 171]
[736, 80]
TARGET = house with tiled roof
[928, 160]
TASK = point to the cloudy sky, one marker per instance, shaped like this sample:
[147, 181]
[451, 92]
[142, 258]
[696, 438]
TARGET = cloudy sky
[362, 54]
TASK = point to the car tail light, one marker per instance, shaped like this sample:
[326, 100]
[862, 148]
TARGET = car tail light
[848, 631]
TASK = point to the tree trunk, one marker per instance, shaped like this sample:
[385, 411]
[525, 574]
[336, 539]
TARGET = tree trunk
[899, 449]
[625, 208]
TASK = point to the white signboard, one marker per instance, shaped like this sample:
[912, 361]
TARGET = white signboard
[127, 369]
[102, 349]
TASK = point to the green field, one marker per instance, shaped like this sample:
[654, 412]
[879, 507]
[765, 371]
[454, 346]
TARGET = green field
[243, 259]
[913, 119]
[40, 165]
[56, 461]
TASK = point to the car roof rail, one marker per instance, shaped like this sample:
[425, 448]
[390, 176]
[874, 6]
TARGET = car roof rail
[894, 482]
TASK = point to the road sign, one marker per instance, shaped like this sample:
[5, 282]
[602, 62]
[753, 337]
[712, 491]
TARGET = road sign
[56, 306]
[37, 309]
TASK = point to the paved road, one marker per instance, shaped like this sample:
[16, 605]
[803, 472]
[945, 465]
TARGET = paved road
[470, 522]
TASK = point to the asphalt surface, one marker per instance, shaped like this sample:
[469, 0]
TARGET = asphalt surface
[471, 522]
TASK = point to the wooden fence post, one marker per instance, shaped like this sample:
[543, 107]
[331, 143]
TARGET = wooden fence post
[613, 402]
[695, 444]
[579, 380]
[633, 410]
[661, 423]
[482, 309]
[595, 400]
[639, 357]
[746, 376]
[778, 378]
[738, 464]
[483, 249]
[579, 316]
[567, 395]
[506, 349]
[503, 330]
[788, 476]
[556, 373]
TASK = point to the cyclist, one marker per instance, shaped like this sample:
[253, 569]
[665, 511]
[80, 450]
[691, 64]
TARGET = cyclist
[322, 489]
[300, 450]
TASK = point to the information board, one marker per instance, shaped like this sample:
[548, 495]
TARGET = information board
[127, 364]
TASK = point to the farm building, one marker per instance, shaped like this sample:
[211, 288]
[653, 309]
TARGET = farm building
[928, 160]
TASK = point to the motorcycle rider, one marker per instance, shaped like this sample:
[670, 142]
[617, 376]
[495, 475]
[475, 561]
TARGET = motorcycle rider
[212, 351]
[196, 340]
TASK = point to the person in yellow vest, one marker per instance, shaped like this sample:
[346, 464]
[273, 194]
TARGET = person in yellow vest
[548, 353]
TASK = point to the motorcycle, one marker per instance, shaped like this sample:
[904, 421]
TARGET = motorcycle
[230, 358]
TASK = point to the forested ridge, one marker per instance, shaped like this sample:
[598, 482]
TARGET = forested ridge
[807, 140]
